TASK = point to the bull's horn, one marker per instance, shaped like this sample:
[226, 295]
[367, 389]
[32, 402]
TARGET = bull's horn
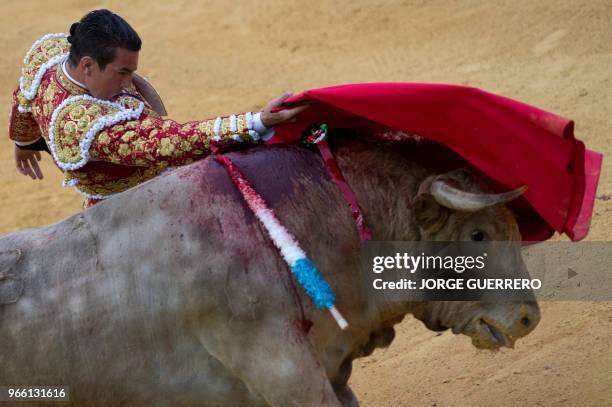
[455, 198]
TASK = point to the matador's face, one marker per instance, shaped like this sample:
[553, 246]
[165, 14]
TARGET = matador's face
[117, 75]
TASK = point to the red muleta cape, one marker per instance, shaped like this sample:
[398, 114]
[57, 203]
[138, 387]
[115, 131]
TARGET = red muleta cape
[511, 142]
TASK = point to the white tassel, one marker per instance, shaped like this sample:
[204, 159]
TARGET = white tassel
[338, 317]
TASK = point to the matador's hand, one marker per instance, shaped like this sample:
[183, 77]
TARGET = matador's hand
[270, 119]
[26, 162]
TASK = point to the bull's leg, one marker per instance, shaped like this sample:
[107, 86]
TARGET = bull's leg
[274, 360]
[343, 391]
[347, 397]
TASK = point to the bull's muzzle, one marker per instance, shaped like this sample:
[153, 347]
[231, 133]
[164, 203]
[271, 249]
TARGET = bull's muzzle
[505, 324]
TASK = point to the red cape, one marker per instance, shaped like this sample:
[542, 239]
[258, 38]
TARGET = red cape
[511, 142]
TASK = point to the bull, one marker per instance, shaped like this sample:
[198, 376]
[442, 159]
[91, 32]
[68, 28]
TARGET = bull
[171, 294]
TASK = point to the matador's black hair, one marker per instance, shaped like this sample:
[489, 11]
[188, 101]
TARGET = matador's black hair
[98, 35]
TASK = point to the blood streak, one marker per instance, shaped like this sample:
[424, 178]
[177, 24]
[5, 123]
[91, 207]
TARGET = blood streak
[256, 203]
[332, 166]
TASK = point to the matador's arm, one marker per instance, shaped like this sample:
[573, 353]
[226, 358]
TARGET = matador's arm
[86, 129]
[23, 129]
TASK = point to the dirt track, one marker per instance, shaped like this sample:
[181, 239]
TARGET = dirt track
[209, 58]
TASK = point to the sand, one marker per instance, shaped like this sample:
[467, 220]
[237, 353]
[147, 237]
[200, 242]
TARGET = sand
[217, 57]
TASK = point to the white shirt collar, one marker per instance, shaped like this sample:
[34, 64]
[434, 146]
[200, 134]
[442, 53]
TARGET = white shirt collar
[65, 71]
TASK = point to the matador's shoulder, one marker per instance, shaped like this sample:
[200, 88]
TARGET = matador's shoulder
[43, 54]
[79, 119]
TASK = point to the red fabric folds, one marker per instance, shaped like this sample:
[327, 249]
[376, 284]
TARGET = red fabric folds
[511, 142]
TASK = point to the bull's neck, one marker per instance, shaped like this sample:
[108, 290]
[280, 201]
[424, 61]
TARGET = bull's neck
[384, 183]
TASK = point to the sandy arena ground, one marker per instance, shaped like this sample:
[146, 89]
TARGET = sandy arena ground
[218, 57]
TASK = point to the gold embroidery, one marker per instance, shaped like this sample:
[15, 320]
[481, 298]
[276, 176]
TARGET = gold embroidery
[69, 140]
[50, 48]
[124, 149]
[103, 138]
[23, 128]
[225, 128]
[101, 183]
[50, 92]
[147, 123]
[69, 133]
[128, 135]
[77, 112]
[184, 146]
[206, 127]
[240, 124]
[94, 110]
[150, 112]
[188, 127]
[53, 52]
[70, 86]
[84, 122]
[128, 101]
[166, 147]
[70, 129]
[139, 145]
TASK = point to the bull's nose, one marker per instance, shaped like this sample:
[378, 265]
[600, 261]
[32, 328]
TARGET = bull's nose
[528, 319]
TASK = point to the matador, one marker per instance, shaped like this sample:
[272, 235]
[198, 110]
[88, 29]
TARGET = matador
[79, 99]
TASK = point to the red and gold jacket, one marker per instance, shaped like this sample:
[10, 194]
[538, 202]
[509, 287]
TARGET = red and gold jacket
[105, 147]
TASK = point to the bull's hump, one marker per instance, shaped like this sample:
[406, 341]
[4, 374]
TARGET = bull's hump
[274, 171]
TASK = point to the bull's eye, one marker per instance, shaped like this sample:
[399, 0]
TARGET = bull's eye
[477, 235]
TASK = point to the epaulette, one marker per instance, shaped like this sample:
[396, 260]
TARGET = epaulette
[44, 53]
[77, 121]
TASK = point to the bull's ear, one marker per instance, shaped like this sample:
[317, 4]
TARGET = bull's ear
[429, 214]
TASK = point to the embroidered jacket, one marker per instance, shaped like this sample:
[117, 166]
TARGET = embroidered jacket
[106, 147]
